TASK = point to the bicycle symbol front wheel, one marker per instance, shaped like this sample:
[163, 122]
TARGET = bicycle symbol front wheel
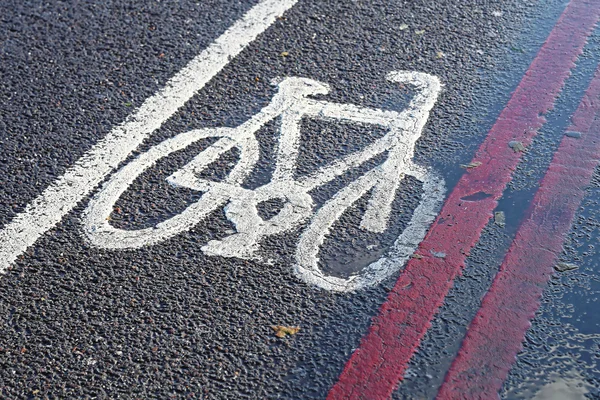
[307, 252]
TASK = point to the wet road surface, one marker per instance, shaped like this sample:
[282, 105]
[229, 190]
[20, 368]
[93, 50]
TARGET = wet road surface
[187, 316]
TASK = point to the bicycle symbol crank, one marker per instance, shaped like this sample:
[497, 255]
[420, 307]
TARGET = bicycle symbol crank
[291, 104]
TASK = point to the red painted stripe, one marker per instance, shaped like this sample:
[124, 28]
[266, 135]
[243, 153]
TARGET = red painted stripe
[497, 331]
[376, 367]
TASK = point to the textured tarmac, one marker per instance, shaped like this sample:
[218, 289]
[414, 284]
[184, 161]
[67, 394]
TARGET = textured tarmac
[167, 321]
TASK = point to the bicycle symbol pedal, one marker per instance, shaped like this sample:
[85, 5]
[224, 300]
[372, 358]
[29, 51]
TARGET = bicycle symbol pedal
[291, 104]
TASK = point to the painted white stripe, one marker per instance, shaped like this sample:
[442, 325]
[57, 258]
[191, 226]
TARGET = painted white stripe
[47, 210]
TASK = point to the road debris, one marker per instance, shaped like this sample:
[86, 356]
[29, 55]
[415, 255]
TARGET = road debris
[470, 165]
[564, 267]
[438, 254]
[573, 134]
[500, 219]
[516, 146]
[282, 331]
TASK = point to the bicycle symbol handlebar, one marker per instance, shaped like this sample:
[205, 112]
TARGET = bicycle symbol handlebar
[291, 104]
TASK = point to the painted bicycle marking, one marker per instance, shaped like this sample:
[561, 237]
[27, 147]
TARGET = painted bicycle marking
[291, 104]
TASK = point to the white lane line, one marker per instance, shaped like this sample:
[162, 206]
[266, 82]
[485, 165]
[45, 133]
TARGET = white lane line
[47, 210]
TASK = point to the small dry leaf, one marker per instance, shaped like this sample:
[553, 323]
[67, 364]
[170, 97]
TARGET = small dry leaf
[403, 27]
[438, 254]
[473, 164]
[563, 267]
[417, 256]
[284, 54]
[500, 218]
[282, 331]
[516, 146]
[420, 32]
[439, 54]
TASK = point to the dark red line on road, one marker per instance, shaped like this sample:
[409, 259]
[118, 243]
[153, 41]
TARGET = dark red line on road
[497, 331]
[377, 366]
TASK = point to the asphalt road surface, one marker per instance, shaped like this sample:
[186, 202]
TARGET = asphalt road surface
[299, 199]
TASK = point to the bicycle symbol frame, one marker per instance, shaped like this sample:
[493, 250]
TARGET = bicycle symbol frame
[291, 103]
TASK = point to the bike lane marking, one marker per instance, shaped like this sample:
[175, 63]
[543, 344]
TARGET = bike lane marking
[495, 335]
[291, 103]
[376, 367]
[48, 209]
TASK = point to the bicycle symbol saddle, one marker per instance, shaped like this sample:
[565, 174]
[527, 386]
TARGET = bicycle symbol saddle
[291, 104]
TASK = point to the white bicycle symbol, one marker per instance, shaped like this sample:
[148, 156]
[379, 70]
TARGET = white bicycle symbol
[291, 103]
